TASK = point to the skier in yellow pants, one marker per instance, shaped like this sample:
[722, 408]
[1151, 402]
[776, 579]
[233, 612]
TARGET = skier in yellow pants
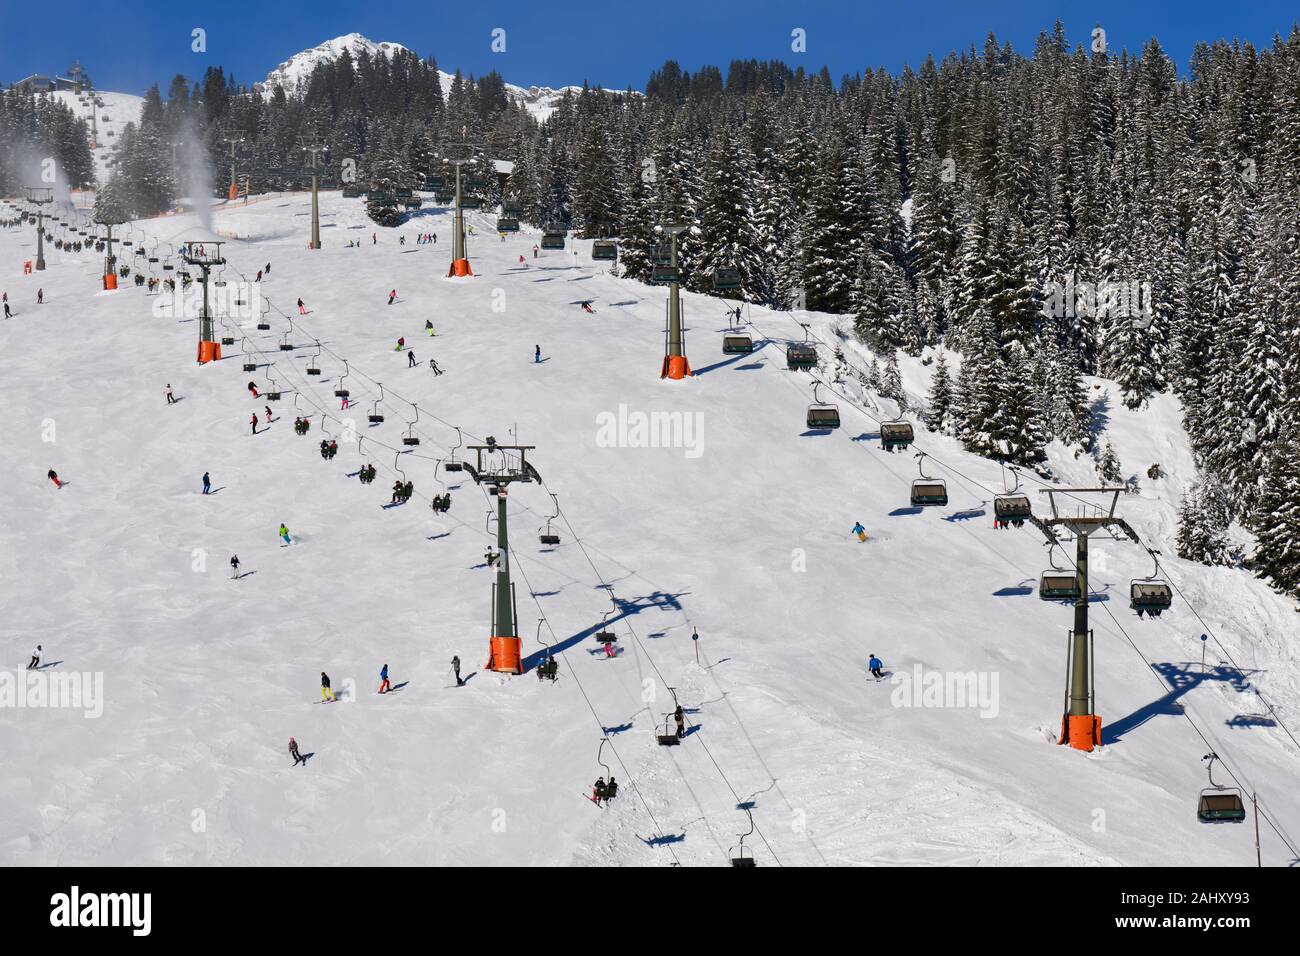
[860, 531]
[325, 692]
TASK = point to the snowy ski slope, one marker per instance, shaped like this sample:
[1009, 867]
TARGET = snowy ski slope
[124, 571]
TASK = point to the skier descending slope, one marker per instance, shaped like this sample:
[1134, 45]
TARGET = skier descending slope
[877, 667]
[293, 752]
[35, 662]
[325, 692]
[207, 483]
[234, 567]
[860, 531]
[54, 477]
[284, 534]
[384, 686]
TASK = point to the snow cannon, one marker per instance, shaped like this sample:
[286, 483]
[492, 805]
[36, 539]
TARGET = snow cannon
[675, 367]
[506, 655]
[1081, 731]
[209, 352]
[460, 268]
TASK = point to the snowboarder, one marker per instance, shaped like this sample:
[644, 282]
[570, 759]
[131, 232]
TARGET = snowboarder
[586, 307]
[8, 314]
[433, 367]
[325, 692]
[534, 251]
[35, 662]
[391, 296]
[384, 686]
[302, 309]
[54, 477]
[253, 422]
[293, 752]
[455, 666]
[40, 296]
[410, 359]
[860, 531]
[876, 666]
[171, 399]
[207, 483]
[268, 268]
[234, 567]
[680, 716]
[259, 276]
[537, 354]
[428, 327]
[401, 344]
[284, 533]
[268, 414]
[252, 389]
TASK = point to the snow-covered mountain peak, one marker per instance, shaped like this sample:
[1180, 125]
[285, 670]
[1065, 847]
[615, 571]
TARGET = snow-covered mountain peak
[300, 66]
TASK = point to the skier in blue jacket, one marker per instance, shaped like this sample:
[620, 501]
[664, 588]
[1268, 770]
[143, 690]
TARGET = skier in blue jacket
[876, 666]
[860, 531]
[383, 677]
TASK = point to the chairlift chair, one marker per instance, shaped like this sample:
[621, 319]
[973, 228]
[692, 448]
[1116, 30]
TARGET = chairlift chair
[739, 858]
[453, 464]
[1219, 804]
[312, 367]
[273, 393]
[927, 490]
[725, 278]
[549, 537]
[507, 224]
[341, 391]
[800, 355]
[604, 635]
[737, 343]
[553, 240]
[1011, 507]
[410, 439]
[665, 274]
[661, 254]
[249, 364]
[604, 250]
[822, 414]
[896, 435]
[1057, 584]
[1150, 595]
[669, 736]
[376, 417]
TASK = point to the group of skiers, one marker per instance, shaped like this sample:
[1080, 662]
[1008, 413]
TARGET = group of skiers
[328, 448]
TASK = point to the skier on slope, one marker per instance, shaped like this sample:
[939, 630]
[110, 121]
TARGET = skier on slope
[284, 533]
[171, 399]
[876, 666]
[268, 414]
[252, 389]
[860, 531]
[35, 662]
[392, 295]
[207, 483]
[428, 327]
[293, 752]
[537, 354]
[325, 692]
[401, 344]
[384, 686]
[302, 309]
[586, 307]
[455, 666]
[54, 477]
[253, 422]
[410, 359]
[234, 567]
[433, 367]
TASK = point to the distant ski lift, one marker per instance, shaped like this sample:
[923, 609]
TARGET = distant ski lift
[470, 202]
[1219, 804]
[661, 254]
[822, 414]
[896, 435]
[737, 343]
[553, 240]
[549, 537]
[604, 250]
[725, 278]
[800, 355]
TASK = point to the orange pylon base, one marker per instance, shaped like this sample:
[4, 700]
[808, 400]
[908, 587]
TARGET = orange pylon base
[110, 281]
[505, 655]
[209, 352]
[460, 267]
[1082, 732]
[675, 367]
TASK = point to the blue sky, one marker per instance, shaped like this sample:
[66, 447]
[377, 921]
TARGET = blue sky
[615, 43]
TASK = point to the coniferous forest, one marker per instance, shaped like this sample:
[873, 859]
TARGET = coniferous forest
[990, 202]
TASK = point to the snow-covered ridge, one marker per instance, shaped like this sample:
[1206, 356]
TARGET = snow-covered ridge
[540, 101]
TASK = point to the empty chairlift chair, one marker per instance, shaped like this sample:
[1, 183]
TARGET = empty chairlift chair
[341, 390]
[926, 490]
[604, 250]
[822, 415]
[737, 343]
[1058, 586]
[549, 537]
[453, 464]
[665, 274]
[410, 439]
[507, 224]
[552, 239]
[726, 278]
[1218, 804]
